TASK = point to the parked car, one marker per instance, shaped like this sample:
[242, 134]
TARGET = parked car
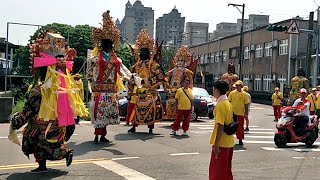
[203, 104]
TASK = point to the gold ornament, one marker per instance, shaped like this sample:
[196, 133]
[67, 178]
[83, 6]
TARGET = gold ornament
[144, 41]
[183, 54]
[108, 31]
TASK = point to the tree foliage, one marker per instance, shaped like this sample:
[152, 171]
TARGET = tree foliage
[78, 37]
[167, 55]
[125, 54]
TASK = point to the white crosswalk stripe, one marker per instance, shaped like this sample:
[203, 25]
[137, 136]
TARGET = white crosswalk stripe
[260, 136]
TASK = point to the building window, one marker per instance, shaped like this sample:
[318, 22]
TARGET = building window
[212, 58]
[268, 49]
[257, 83]
[282, 78]
[259, 50]
[233, 53]
[205, 59]
[266, 82]
[224, 55]
[246, 79]
[201, 59]
[283, 47]
[216, 59]
[246, 52]
[216, 78]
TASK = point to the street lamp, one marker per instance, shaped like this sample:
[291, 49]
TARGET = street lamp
[241, 35]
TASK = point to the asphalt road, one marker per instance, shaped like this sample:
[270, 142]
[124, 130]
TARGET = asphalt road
[160, 156]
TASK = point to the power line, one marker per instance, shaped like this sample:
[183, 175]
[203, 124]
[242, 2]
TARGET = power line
[315, 2]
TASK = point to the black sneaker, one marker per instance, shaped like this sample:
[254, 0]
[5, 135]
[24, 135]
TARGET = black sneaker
[95, 139]
[39, 170]
[132, 130]
[69, 158]
[246, 129]
[104, 139]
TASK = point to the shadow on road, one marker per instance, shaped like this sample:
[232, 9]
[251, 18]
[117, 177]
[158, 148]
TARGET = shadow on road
[144, 136]
[89, 146]
[52, 173]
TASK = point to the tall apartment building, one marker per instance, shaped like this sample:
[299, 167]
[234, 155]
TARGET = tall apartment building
[136, 17]
[170, 28]
[196, 33]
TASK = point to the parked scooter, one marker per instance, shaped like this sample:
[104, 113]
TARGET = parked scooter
[287, 130]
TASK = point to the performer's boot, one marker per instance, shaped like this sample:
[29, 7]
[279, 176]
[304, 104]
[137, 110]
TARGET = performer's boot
[150, 131]
[69, 157]
[42, 167]
[96, 139]
[132, 130]
[104, 139]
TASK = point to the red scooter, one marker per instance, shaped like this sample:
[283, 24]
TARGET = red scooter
[286, 129]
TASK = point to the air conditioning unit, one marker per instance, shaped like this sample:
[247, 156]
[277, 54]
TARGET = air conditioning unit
[275, 43]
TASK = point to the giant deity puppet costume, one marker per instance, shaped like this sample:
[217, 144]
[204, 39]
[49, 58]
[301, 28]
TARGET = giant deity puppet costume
[104, 72]
[230, 77]
[182, 68]
[51, 106]
[148, 107]
[298, 82]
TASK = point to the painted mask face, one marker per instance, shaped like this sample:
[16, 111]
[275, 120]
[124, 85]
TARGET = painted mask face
[61, 62]
[180, 63]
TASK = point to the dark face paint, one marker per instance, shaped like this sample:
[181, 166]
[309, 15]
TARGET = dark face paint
[106, 45]
[144, 54]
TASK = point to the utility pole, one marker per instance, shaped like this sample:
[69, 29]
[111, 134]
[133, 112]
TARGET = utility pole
[316, 64]
[309, 45]
[241, 36]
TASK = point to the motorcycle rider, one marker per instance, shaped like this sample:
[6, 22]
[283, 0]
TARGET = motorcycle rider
[303, 112]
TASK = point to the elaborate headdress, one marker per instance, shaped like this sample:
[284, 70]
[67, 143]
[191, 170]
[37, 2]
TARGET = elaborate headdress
[108, 31]
[183, 54]
[44, 49]
[144, 41]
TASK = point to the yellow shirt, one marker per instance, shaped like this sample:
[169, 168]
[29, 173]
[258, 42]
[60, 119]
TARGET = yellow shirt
[134, 95]
[277, 100]
[223, 115]
[80, 86]
[238, 101]
[312, 99]
[183, 101]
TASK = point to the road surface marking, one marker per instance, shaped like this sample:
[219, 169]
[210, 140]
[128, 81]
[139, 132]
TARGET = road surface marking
[239, 150]
[124, 158]
[210, 127]
[258, 137]
[183, 154]
[306, 157]
[123, 171]
[58, 163]
[261, 129]
[258, 132]
[292, 149]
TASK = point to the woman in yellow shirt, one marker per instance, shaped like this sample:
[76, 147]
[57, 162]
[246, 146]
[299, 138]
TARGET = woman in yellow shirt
[222, 148]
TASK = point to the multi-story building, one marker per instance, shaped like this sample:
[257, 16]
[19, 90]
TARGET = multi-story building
[270, 58]
[136, 17]
[254, 21]
[224, 29]
[196, 33]
[170, 27]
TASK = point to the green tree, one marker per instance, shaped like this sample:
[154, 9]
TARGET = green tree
[21, 63]
[78, 37]
[125, 54]
[167, 55]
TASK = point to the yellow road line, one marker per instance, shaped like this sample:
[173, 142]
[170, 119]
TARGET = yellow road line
[51, 164]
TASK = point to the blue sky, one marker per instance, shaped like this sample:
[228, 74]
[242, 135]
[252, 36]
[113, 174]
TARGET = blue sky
[75, 12]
